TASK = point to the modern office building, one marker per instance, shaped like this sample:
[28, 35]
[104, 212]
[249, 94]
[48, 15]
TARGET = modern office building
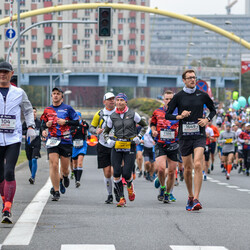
[130, 33]
[175, 42]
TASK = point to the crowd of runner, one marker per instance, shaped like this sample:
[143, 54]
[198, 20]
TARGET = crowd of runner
[178, 142]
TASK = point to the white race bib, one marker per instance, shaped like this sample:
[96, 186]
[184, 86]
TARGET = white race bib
[167, 134]
[190, 128]
[77, 143]
[240, 147]
[52, 142]
[7, 123]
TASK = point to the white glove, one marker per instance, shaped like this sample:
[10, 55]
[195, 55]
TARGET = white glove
[111, 143]
[31, 135]
[137, 140]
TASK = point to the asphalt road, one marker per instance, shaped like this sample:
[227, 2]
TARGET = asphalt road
[81, 219]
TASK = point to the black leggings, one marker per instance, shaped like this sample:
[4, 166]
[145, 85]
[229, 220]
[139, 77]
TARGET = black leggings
[8, 159]
[246, 153]
[129, 161]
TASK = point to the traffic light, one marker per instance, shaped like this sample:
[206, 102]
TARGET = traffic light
[104, 21]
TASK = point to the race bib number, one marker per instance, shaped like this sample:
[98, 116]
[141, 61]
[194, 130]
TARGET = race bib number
[240, 147]
[52, 142]
[229, 140]
[7, 123]
[77, 143]
[37, 132]
[123, 146]
[190, 128]
[167, 134]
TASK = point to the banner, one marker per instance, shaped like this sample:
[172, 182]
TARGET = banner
[245, 63]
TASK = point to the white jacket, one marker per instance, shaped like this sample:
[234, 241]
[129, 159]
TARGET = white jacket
[16, 101]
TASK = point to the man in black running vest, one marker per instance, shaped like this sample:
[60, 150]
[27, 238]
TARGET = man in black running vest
[192, 137]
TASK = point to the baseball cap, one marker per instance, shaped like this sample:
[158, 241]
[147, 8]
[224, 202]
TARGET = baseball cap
[108, 95]
[6, 66]
[247, 124]
[58, 89]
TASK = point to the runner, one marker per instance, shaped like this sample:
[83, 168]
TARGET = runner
[192, 137]
[33, 149]
[58, 118]
[139, 155]
[166, 149]
[97, 126]
[124, 120]
[228, 139]
[79, 136]
[13, 101]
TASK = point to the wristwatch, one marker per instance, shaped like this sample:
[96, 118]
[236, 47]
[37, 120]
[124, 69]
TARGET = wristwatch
[208, 118]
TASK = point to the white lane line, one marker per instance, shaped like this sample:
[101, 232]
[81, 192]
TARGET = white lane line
[232, 186]
[243, 190]
[198, 248]
[87, 247]
[222, 183]
[214, 180]
[24, 228]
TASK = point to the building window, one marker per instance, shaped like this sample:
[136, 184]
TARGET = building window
[119, 52]
[74, 31]
[97, 53]
[34, 38]
[33, 62]
[143, 20]
[74, 53]
[76, 42]
[142, 31]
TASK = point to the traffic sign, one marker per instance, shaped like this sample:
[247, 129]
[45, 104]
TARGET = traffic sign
[10, 33]
[202, 85]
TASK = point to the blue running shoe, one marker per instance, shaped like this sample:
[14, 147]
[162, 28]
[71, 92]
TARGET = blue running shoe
[190, 203]
[204, 177]
[166, 197]
[172, 198]
[161, 194]
[157, 182]
[196, 205]
[62, 188]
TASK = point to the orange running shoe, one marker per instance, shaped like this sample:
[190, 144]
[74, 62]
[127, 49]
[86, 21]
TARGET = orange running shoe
[131, 192]
[134, 176]
[121, 203]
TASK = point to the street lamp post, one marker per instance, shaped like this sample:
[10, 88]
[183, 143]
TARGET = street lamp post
[66, 72]
[68, 46]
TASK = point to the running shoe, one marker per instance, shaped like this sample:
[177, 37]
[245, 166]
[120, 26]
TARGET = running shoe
[204, 177]
[240, 169]
[72, 175]
[151, 178]
[181, 176]
[140, 174]
[62, 188]
[190, 203]
[196, 205]
[7, 217]
[161, 194]
[212, 167]
[166, 197]
[52, 191]
[31, 180]
[56, 196]
[172, 198]
[117, 197]
[208, 171]
[78, 184]
[157, 182]
[228, 176]
[109, 199]
[66, 181]
[247, 173]
[131, 192]
[176, 182]
[121, 203]
[145, 174]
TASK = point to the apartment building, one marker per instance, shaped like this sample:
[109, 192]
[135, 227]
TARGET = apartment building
[128, 43]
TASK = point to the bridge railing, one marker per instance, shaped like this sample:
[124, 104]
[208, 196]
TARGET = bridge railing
[129, 68]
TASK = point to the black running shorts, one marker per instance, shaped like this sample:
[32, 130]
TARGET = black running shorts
[148, 154]
[163, 149]
[32, 152]
[226, 154]
[187, 146]
[64, 150]
[103, 156]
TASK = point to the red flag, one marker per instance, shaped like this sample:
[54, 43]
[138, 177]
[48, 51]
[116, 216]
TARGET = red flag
[245, 66]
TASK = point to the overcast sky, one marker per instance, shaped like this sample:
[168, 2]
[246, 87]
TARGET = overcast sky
[198, 6]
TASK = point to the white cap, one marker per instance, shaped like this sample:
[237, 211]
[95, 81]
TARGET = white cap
[108, 95]
[247, 124]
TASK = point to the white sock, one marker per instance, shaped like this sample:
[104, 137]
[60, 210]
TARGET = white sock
[108, 184]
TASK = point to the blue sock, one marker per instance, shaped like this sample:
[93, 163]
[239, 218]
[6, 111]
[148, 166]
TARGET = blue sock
[34, 168]
[30, 165]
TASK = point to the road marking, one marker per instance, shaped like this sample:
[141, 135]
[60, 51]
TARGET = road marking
[22, 232]
[87, 247]
[213, 180]
[198, 248]
[243, 190]
[232, 186]
[222, 183]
